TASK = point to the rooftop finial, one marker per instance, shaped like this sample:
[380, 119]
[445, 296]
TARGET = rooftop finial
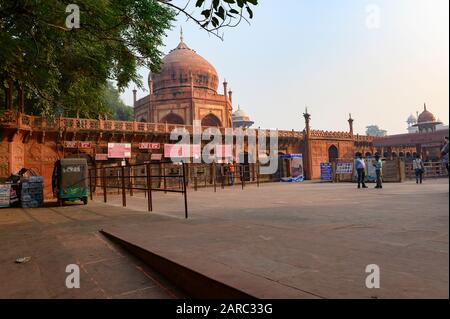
[424, 106]
[181, 35]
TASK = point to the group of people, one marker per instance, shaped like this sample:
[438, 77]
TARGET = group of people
[418, 167]
[229, 169]
[361, 170]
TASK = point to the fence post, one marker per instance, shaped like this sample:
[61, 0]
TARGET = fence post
[149, 187]
[257, 173]
[164, 177]
[214, 177]
[242, 175]
[124, 195]
[104, 183]
[222, 174]
[90, 184]
[95, 181]
[130, 173]
[185, 192]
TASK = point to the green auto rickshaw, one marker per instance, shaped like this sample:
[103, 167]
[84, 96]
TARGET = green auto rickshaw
[69, 180]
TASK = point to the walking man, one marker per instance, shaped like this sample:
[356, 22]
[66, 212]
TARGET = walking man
[418, 168]
[361, 170]
[378, 169]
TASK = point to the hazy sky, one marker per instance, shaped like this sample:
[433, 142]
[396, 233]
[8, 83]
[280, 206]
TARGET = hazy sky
[332, 56]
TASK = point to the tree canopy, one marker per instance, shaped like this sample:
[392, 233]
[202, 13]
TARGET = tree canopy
[63, 67]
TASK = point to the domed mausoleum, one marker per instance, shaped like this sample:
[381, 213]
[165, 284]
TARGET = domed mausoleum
[185, 90]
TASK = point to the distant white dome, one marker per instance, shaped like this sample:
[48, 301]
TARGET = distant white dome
[241, 113]
[241, 119]
[411, 119]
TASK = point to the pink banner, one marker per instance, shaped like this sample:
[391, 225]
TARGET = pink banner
[182, 151]
[119, 150]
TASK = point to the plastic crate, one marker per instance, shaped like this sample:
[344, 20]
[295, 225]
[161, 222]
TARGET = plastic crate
[32, 204]
[36, 179]
[37, 190]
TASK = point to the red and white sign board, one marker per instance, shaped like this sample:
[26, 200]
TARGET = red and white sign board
[77, 144]
[149, 146]
[156, 157]
[119, 150]
[70, 144]
[84, 145]
[101, 157]
[182, 151]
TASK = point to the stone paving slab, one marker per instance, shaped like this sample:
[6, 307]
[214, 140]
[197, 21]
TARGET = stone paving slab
[313, 239]
[57, 236]
[295, 241]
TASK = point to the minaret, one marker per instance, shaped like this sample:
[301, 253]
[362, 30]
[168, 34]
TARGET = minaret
[350, 123]
[307, 117]
[308, 155]
[134, 97]
[150, 83]
[225, 88]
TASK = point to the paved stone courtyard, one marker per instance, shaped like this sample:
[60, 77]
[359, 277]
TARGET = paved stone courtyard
[307, 240]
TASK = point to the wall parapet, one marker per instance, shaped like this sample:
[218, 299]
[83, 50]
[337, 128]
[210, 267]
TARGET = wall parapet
[20, 121]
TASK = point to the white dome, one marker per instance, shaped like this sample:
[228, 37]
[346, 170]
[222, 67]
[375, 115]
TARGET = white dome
[240, 113]
[411, 119]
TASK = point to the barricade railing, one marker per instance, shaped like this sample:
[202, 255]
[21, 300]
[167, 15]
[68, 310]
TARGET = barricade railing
[140, 177]
[432, 169]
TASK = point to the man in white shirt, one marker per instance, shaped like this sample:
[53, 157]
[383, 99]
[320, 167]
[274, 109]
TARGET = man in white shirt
[360, 166]
[418, 168]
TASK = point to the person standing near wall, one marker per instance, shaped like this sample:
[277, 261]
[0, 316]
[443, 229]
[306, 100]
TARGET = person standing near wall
[361, 170]
[378, 169]
[418, 168]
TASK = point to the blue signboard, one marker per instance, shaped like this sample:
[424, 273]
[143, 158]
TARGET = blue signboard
[326, 172]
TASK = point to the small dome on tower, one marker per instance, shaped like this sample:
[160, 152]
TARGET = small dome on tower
[411, 119]
[426, 116]
[241, 119]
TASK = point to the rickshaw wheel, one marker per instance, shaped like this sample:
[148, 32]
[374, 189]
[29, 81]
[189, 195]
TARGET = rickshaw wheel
[85, 200]
[60, 202]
